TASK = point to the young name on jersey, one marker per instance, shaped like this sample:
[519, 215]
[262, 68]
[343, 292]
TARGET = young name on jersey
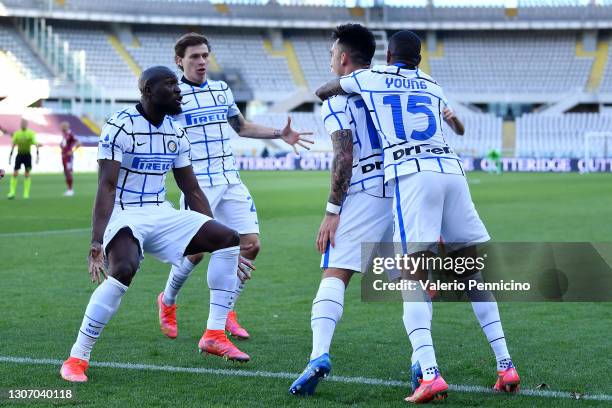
[406, 107]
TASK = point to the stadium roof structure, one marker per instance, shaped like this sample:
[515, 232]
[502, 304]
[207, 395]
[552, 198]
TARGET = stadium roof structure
[378, 14]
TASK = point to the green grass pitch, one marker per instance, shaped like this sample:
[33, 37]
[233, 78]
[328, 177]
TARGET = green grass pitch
[45, 289]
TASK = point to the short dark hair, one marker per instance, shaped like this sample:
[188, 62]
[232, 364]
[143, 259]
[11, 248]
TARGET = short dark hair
[357, 41]
[405, 46]
[189, 40]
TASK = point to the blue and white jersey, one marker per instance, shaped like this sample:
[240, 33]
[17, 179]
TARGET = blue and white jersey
[351, 112]
[206, 108]
[146, 154]
[406, 107]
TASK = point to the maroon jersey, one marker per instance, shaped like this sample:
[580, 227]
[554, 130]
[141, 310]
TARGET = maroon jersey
[68, 142]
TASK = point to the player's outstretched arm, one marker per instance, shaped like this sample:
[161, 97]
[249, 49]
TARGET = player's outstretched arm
[108, 174]
[453, 121]
[341, 171]
[245, 128]
[329, 89]
[194, 196]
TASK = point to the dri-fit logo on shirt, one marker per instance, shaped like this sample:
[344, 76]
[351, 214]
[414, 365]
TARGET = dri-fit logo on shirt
[152, 163]
[203, 117]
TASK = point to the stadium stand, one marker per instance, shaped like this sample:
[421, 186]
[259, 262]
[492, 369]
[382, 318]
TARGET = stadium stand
[511, 62]
[606, 82]
[244, 52]
[562, 136]
[312, 50]
[17, 50]
[102, 61]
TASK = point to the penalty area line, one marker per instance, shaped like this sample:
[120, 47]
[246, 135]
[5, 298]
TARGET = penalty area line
[289, 376]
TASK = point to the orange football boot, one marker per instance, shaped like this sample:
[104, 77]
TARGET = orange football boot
[234, 328]
[216, 342]
[73, 370]
[429, 390]
[167, 318]
[507, 380]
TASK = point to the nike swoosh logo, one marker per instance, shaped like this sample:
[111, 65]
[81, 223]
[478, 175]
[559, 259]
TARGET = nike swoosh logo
[95, 327]
[140, 144]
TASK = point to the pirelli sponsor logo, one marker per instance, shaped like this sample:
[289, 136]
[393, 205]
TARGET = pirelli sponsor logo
[152, 163]
[205, 116]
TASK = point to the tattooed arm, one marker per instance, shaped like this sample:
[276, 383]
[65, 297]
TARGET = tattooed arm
[330, 89]
[341, 171]
[244, 128]
[342, 165]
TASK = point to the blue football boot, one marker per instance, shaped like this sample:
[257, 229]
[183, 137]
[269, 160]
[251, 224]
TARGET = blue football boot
[307, 382]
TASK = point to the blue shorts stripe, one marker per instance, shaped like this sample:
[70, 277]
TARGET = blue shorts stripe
[326, 255]
[400, 218]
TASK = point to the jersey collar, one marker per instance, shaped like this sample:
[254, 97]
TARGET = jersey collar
[141, 110]
[188, 82]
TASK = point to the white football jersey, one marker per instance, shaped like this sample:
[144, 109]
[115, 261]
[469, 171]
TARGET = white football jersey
[350, 112]
[206, 108]
[146, 154]
[406, 107]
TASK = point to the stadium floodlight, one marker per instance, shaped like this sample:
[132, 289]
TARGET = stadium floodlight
[596, 145]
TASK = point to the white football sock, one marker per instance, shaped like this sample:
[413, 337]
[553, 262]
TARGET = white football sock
[417, 321]
[326, 313]
[486, 311]
[413, 358]
[222, 283]
[178, 276]
[103, 304]
[239, 286]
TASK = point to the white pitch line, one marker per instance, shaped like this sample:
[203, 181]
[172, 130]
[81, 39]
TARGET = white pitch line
[289, 376]
[50, 232]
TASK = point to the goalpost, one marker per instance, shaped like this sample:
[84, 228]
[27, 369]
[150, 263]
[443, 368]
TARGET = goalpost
[596, 145]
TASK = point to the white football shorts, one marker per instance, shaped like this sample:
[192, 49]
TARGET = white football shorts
[231, 205]
[429, 206]
[161, 231]
[364, 218]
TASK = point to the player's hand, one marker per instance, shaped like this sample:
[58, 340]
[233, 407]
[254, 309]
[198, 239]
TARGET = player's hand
[448, 114]
[10, 157]
[294, 138]
[96, 263]
[1, 174]
[37, 159]
[327, 231]
[245, 267]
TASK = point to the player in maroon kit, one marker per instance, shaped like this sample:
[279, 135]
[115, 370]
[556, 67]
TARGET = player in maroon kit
[69, 144]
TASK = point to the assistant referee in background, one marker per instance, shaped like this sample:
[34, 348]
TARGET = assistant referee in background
[24, 139]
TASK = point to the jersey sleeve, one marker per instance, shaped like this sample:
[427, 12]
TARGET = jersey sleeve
[184, 149]
[114, 141]
[14, 138]
[232, 108]
[351, 83]
[334, 115]
[33, 138]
